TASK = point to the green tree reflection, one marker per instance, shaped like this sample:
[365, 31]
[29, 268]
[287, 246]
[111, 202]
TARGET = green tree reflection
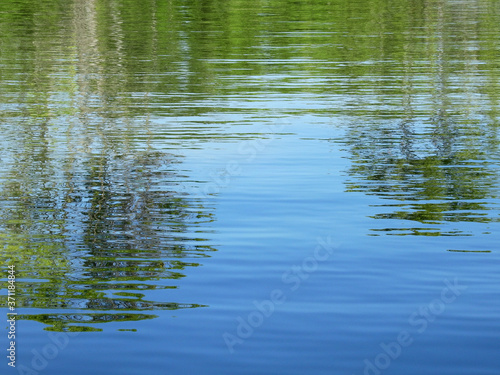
[434, 165]
[90, 212]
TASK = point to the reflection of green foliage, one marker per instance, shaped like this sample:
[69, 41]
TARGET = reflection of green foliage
[417, 232]
[454, 188]
[124, 199]
[429, 151]
[83, 322]
[436, 186]
[89, 211]
[67, 322]
[84, 214]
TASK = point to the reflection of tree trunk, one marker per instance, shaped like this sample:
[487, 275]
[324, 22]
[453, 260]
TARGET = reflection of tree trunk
[100, 76]
[406, 124]
[86, 43]
[444, 133]
[492, 87]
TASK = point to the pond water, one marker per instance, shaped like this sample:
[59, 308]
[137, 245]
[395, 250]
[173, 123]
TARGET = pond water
[251, 187]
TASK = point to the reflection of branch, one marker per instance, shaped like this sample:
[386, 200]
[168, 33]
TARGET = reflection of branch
[444, 135]
[131, 192]
[407, 138]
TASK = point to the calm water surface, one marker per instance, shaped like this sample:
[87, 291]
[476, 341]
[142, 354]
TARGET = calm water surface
[251, 187]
